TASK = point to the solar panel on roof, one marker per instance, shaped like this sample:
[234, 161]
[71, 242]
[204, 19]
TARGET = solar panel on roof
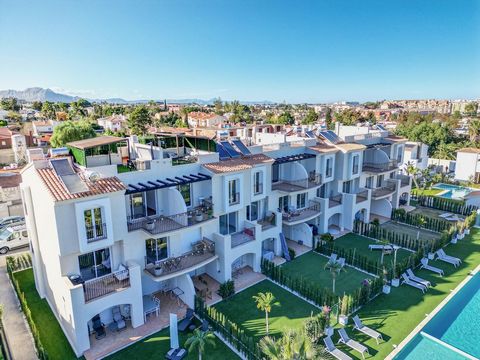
[241, 146]
[380, 127]
[62, 167]
[310, 134]
[331, 136]
[223, 154]
[230, 150]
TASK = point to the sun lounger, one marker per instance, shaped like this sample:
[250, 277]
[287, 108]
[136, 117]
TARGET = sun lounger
[185, 323]
[417, 279]
[434, 269]
[333, 257]
[365, 329]
[355, 345]
[332, 350]
[341, 261]
[452, 218]
[445, 215]
[412, 283]
[380, 247]
[447, 258]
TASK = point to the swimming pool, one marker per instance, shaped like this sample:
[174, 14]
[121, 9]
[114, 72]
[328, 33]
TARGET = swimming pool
[452, 191]
[453, 333]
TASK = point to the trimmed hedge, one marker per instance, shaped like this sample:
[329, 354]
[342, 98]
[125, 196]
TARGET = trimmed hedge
[449, 205]
[432, 224]
[230, 331]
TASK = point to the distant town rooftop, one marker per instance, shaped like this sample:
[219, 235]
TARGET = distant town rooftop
[96, 141]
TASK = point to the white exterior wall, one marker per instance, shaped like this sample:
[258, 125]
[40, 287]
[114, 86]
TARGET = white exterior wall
[467, 165]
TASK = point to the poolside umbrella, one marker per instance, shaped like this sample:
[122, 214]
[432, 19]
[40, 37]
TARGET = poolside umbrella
[173, 331]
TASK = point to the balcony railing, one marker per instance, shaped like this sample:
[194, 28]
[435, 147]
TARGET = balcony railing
[295, 215]
[383, 191]
[404, 180]
[257, 189]
[107, 284]
[242, 237]
[234, 199]
[268, 221]
[380, 167]
[313, 180]
[96, 232]
[362, 196]
[158, 224]
[201, 251]
[335, 200]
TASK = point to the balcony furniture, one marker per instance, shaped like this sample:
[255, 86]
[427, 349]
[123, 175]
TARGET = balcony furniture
[176, 354]
[149, 306]
[176, 292]
[98, 327]
[249, 231]
[118, 319]
[187, 321]
[122, 273]
[366, 330]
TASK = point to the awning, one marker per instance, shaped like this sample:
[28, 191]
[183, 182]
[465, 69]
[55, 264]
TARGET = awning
[291, 158]
[166, 183]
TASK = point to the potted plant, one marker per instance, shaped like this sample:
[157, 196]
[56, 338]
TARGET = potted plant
[343, 318]
[150, 224]
[386, 287]
[198, 215]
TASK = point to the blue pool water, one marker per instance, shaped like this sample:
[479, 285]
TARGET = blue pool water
[452, 191]
[456, 324]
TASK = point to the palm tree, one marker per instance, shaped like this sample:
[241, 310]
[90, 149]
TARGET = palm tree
[293, 345]
[265, 301]
[412, 171]
[474, 130]
[271, 348]
[335, 267]
[199, 340]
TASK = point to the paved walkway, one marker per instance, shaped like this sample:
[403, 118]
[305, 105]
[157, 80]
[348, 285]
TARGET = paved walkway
[16, 329]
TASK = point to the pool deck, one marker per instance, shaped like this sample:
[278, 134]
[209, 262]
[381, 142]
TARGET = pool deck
[432, 314]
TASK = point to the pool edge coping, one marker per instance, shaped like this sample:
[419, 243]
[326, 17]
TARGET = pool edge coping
[437, 309]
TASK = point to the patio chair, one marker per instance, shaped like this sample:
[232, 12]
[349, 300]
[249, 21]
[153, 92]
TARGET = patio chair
[341, 261]
[118, 318]
[447, 258]
[366, 330]
[355, 345]
[185, 323]
[333, 257]
[417, 279]
[434, 269]
[98, 327]
[182, 353]
[412, 283]
[332, 350]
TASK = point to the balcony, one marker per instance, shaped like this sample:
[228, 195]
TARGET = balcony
[234, 199]
[312, 181]
[269, 221]
[293, 217]
[243, 237]
[105, 285]
[404, 180]
[335, 200]
[380, 167]
[96, 232]
[202, 252]
[382, 192]
[158, 224]
[361, 196]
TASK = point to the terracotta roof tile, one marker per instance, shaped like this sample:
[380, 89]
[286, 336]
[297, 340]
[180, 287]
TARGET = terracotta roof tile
[60, 192]
[323, 148]
[243, 163]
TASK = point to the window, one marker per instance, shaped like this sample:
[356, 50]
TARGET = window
[369, 182]
[392, 174]
[233, 194]
[156, 249]
[301, 200]
[399, 155]
[283, 203]
[275, 172]
[185, 190]
[329, 169]
[379, 180]
[95, 264]
[228, 223]
[94, 226]
[137, 205]
[356, 159]
[322, 190]
[257, 183]
[347, 186]
[253, 210]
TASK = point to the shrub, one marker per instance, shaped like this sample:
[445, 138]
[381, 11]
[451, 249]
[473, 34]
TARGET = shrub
[315, 326]
[375, 222]
[292, 253]
[327, 237]
[226, 289]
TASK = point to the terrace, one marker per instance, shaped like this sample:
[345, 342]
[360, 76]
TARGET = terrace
[312, 181]
[425, 235]
[373, 167]
[293, 217]
[384, 191]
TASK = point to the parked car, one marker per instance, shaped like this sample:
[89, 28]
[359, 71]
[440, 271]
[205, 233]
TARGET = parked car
[9, 220]
[13, 237]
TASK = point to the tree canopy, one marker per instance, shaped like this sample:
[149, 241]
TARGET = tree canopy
[139, 120]
[311, 117]
[71, 131]
[10, 104]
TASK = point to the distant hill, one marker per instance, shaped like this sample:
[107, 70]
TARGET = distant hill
[41, 94]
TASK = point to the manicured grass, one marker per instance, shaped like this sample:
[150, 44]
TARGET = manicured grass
[158, 344]
[432, 213]
[397, 314]
[411, 231]
[311, 267]
[426, 192]
[242, 309]
[360, 243]
[51, 335]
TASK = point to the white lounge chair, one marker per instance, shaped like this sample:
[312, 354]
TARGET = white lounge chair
[333, 257]
[332, 350]
[365, 329]
[412, 283]
[447, 258]
[380, 247]
[355, 345]
[434, 269]
[341, 261]
[445, 215]
[417, 279]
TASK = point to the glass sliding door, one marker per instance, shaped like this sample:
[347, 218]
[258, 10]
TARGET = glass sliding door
[95, 264]
[228, 223]
[156, 249]
[138, 208]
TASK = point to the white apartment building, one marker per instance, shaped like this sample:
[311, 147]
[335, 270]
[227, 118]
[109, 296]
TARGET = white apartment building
[416, 154]
[113, 123]
[467, 166]
[119, 221]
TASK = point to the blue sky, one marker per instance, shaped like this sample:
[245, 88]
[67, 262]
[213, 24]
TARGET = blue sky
[297, 51]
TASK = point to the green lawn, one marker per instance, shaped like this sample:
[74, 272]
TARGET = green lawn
[397, 314]
[291, 313]
[430, 212]
[360, 243]
[411, 231]
[426, 192]
[157, 345]
[51, 335]
[311, 267]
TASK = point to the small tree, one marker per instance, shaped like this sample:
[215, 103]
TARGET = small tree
[335, 269]
[265, 301]
[139, 120]
[69, 131]
[199, 340]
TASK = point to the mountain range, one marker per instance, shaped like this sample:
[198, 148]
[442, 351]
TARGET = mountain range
[41, 94]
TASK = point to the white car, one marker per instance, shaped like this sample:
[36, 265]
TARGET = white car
[13, 237]
[9, 220]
